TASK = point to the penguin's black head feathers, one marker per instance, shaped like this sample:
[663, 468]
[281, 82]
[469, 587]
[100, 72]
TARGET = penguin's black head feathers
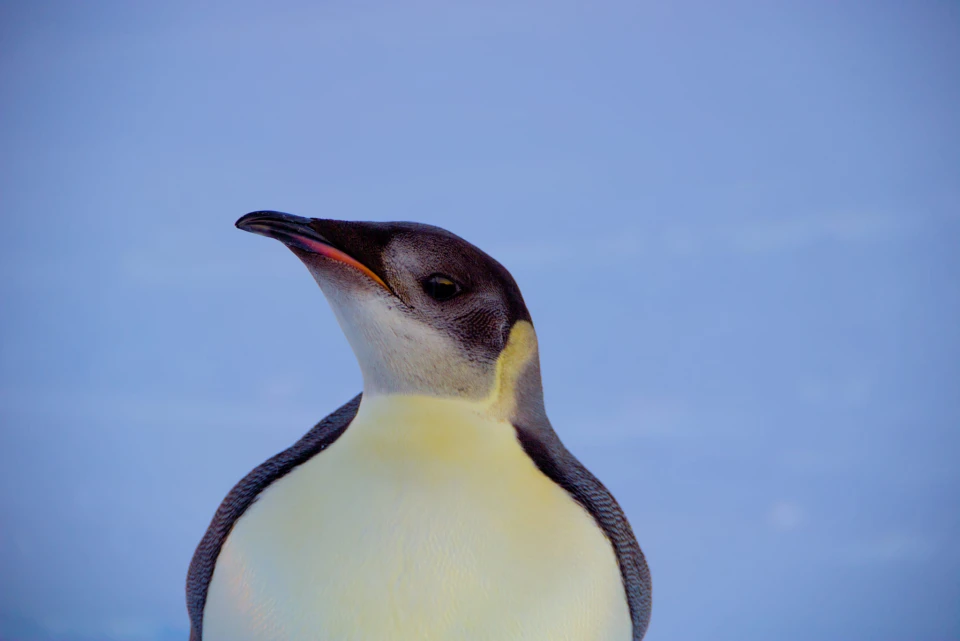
[406, 291]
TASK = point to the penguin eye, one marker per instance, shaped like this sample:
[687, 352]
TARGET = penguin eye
[440, 288]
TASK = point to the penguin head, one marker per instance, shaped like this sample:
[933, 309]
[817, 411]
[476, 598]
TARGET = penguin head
[425, 311]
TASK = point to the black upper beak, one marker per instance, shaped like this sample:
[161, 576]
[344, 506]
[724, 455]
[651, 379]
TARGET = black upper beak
[294, 231]
[356, 244]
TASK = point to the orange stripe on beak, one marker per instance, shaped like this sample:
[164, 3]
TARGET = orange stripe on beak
[335, 254]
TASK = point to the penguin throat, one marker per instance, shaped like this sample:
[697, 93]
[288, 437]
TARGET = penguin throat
[509, 389]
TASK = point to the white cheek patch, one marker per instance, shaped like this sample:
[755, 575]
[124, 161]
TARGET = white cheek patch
[399, 354]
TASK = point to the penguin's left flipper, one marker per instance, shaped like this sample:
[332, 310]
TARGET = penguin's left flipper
[244, 494]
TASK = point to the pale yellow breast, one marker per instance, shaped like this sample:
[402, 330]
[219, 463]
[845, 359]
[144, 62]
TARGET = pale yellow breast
[424, 521]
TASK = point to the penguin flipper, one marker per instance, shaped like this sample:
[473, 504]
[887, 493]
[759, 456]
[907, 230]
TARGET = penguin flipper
[543, 445]
[244, 494]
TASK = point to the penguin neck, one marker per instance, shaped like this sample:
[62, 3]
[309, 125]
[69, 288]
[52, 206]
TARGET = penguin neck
[424, 428]
[514, 391]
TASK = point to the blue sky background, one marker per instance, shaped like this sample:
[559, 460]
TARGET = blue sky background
[736, 227]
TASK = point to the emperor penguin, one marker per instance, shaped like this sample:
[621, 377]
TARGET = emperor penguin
[437, 505]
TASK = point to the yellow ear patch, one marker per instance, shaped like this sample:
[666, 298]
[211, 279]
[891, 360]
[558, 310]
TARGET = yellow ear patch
[520, 349]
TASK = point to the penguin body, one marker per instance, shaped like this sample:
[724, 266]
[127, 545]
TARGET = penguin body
[440, 504]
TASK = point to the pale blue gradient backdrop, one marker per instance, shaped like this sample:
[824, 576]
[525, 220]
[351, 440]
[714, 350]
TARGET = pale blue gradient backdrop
[736, 227]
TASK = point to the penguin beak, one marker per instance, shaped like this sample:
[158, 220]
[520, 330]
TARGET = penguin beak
[302, 234]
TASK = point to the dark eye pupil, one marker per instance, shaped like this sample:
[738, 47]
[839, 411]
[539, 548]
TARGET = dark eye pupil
[440, 287]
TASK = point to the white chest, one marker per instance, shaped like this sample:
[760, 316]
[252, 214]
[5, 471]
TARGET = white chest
[423, 521]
